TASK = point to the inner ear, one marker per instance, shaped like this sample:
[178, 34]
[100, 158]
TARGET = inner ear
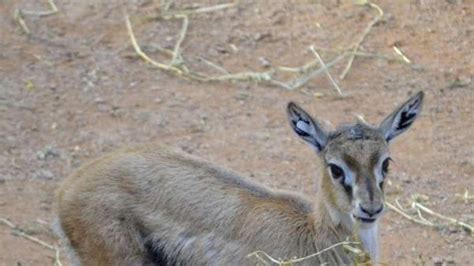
[306, 127]
[402, 118]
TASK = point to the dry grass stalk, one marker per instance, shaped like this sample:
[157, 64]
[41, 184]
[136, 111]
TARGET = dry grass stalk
[401, 54]
[53, 9]
[177, 59]
[178, 67]
[166, 4]
[362, 37]
[338, 89]
[181, 69]
[264, 258]
[176, 13]
[213, 65]
[144, 56]
[302, 74]
[18, 15]
[406, 215]
[466, 197]
[420, 209]
[20, 232]
[311, 72]
[417, 205]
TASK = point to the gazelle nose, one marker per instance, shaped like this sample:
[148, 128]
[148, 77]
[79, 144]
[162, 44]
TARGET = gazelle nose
[372, 211]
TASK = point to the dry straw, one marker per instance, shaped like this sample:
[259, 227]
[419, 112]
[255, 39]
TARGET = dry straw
[21, 233]
[266, 259]
[420, 209]
[301, 75]
[19, 15]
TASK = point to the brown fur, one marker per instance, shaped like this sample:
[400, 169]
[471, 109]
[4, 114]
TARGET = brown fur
[111, 207]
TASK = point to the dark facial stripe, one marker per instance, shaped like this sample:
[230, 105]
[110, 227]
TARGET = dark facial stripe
[370, 188]
[351, 162]
[374, 159]
[347, 188]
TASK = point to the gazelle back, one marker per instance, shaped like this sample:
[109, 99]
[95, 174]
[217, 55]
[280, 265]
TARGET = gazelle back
[155, 206]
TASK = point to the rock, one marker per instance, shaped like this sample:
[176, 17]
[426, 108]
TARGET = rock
[264, 62]
[47, 153]
[261, 36]
[44, 174]
[437, 261]
[450, 261]
[99, 100]
[220, 48]
[459, 82]
[417, 67]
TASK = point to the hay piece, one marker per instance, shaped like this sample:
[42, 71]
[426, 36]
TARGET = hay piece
[401, 54]
[19, 18]
[20, 232]
[261, 255]
[362, 37]
[338, 89]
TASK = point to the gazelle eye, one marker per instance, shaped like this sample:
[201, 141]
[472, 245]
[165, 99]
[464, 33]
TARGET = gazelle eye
[336, 171]
[385, 166]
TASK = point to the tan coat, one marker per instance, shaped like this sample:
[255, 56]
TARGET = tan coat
[138, 206]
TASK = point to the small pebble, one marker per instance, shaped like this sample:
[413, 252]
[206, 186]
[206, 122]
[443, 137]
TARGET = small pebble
[264, 62]
[46, 153]
[44, 174]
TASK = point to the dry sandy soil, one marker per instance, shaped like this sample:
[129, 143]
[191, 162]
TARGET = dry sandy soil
[74, 89]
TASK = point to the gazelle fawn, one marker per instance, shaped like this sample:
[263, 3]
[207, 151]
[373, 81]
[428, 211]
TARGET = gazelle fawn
[155, 206]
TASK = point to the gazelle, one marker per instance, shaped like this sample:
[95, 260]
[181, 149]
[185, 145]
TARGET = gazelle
[155, 206]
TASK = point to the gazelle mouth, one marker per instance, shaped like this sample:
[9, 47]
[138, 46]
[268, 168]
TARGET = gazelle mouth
[365, 220]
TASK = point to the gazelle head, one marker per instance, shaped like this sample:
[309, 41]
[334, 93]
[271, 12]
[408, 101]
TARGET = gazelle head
[356, 160]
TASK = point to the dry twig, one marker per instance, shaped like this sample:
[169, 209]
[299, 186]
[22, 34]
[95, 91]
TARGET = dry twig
[416, 204]
[366, 32]
[404, 214]
[466, 197]
[338, 89]
[144, 56]
[19, 232]
[21, 21]
[401, 54]
[168, 14]
[181, 70]
[420, 208]
[53, 9]
[258, 254]
[19, 15]
[215, 66]
[310, 72]
[177, 59]
[166, 4]
[302, 74]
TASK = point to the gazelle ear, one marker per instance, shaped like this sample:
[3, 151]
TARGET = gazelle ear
[304, 125]
[402, 118]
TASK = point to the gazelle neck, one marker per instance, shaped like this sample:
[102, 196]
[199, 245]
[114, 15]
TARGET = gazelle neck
[367, 235]
[370, 241]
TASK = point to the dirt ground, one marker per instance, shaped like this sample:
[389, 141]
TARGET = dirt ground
[74, 89]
